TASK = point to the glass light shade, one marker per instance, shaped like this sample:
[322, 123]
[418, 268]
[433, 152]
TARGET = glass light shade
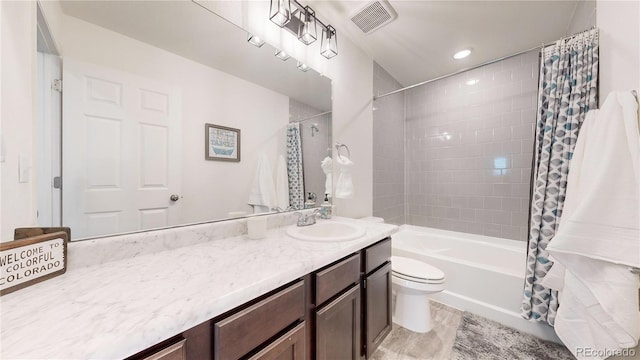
[255, 40]
[282, 55]
[308, 29]
[329, 43]
[303, 67]
[280, 12]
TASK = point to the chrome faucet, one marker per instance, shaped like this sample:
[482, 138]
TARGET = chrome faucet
[306, 220]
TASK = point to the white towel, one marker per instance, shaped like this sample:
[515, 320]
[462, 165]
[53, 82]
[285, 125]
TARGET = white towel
[344, 185]
[263, 192]
[599, 232]
[327, 167]
[282, 183]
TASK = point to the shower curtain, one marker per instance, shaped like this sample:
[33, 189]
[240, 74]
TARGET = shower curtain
[567, 91]
[294, 167]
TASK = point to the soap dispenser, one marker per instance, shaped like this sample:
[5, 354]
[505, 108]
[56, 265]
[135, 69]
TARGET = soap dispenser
[325, 208]
[311, 201]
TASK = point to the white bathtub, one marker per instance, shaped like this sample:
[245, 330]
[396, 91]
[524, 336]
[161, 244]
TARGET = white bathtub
[484, 275]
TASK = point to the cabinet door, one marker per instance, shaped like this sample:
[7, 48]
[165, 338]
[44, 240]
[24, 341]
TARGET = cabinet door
[174, 352]
[377, 307]
[338, 327]
[290, 346]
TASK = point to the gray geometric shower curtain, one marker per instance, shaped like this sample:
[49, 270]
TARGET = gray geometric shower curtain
[567, 91]
[294, 167]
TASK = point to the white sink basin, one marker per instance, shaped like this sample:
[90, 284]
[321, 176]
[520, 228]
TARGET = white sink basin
[328, 231]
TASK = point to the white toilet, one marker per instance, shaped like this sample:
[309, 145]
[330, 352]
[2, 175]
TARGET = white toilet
[413, 282]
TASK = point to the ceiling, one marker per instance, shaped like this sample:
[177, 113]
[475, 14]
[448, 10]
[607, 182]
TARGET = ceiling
[189, 30]
[419, 44]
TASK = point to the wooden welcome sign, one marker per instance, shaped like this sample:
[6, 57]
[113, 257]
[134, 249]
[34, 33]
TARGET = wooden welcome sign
[31, 260]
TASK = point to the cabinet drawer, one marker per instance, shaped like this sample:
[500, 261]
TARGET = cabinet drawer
[336, 278]
[290, 346]
[238, 334]
[377, 255]
[176, 351]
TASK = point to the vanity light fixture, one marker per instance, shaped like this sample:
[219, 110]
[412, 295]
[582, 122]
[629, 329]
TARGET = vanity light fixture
[302, 23]
[303, 67]
[308, 28]
[280, 12]
[282, 55]
[329, 43]
[255, 40]
[462, 54]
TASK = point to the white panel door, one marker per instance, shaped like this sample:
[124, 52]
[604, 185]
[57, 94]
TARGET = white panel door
[121, 151]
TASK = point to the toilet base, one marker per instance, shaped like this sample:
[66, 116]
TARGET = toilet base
[412, 311]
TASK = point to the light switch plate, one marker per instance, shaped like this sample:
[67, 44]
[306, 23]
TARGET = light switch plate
[24, 169]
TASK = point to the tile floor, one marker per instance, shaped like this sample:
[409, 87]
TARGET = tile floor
[436, 344]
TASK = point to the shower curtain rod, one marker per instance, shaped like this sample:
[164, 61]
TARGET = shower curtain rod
[376, 97]
[312, 117]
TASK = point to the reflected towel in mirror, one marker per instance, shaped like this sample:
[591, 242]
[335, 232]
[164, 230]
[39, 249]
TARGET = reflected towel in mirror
[263, 192]
[327, 167]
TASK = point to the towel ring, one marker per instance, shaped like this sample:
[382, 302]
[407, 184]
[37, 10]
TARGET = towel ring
[340, 146]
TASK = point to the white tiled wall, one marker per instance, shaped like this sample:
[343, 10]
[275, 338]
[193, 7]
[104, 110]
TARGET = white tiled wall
[469, 149]
[388, 149]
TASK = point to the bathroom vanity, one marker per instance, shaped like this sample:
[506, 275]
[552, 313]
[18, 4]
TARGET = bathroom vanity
[225, 298]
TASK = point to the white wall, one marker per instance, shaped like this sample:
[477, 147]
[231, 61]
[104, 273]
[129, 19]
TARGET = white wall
[210, 188]
[584, 17]
[619, 23]
[17, 70]
[351, 73]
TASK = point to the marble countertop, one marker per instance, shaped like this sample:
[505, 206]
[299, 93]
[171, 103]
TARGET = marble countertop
[116, 309]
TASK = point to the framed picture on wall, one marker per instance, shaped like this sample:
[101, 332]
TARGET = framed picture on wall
[221, 143]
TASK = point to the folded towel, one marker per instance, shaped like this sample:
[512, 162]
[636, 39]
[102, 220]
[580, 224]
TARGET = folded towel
[263, 192]
[327, 167]
[597, 239]
[344, 185]
[282, 184]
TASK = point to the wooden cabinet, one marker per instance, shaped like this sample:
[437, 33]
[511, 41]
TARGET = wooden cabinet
[237, 335]
[376, 288]
[377, 309]
[338, 327]
[290, 346]
[176, 351]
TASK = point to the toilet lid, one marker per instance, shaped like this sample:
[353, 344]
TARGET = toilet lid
[409, 268]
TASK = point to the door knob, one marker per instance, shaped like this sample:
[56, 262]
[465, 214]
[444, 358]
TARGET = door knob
[174, 197]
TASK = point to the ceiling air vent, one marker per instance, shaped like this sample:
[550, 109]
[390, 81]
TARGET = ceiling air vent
[373, 15]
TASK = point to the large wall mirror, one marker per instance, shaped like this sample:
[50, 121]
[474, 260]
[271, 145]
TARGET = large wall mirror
[141, 81]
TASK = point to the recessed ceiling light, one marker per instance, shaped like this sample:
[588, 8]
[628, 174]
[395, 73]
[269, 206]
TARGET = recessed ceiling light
[472, 82]
[462, 54]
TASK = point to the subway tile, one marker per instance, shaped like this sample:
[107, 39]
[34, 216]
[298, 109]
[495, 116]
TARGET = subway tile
[492, 203]
[475, 202]
[484, 135]
[468, 214]
[512, 147]
[492, 230]
[502, 218]
[519, 219]
[503, 189]
[512, 232]
[459, 202]
[524, 131]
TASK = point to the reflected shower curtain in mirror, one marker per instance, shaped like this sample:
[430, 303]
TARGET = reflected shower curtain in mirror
[567, 91]
[294, 167]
